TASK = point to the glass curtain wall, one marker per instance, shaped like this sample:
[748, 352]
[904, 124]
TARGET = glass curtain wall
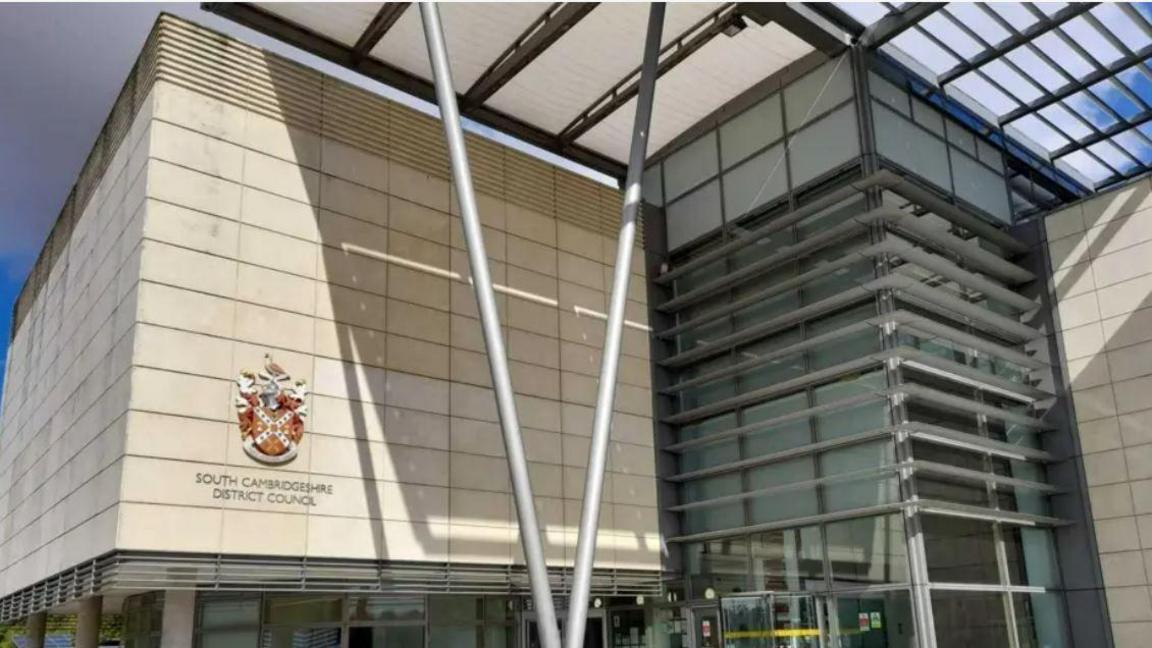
[852, 408]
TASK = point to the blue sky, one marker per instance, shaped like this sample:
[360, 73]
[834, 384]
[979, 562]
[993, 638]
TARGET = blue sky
[72, 61]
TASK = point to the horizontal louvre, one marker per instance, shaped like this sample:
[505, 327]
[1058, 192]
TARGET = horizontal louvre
[218, 66]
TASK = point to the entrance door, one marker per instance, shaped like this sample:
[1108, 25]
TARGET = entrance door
[595, 632]
[705, 623]
[796, 621]
[777, 620]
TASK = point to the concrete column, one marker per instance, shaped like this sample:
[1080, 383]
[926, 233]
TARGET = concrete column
[88, 622]
[34, 627]
[179, 618]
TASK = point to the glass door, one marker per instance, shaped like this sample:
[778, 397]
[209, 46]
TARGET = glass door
[796, 621]
[705, 623]
[774, 621]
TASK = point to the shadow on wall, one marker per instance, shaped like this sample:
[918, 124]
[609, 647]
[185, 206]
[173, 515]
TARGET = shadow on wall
[1096, 247]
[394, 301]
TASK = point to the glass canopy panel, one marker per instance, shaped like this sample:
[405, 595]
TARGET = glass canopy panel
[979, 89]
[1067, 121]
[1015, 14]
[914, 43]
[952, 36]
[865, 13]
[1051, 8]
[1081, 162]
[1021, 87]
[975, 17]
[1138, 81]
[1135, 144]
[1118, 98]
[1088, 108]
[1062, 53]
[1123, 27]
[1080, 31]
[1041, 73]
[1038, 131]
[1113, 156]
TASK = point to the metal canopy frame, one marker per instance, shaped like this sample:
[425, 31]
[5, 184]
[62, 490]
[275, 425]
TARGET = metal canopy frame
[544, 31]
[340, 54]
[1115, 146]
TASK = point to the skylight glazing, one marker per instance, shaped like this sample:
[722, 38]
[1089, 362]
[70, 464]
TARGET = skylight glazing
[1070, 81]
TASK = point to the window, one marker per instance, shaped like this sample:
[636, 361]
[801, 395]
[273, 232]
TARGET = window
[471, 622]
[228, 621]
[868, 550]
[965, 619]
[790, 559]
[959, 550]
[718, 564]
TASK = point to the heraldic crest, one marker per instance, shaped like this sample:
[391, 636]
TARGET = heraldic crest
[271, 410]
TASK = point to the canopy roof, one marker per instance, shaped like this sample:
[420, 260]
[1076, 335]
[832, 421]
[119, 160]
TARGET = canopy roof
[1068, 81]
[561, 76]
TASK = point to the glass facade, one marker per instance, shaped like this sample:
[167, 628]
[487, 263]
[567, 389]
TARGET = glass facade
[852, 408]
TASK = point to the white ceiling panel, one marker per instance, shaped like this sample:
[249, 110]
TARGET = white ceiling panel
[598, 52]
[341, 21]
[476, 34]
[702, 83]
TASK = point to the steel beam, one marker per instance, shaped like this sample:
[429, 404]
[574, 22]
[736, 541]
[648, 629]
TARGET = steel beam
[897, 23]
[384, 20]
[545, 30]
[341, 54]
[610, 357]
[803, 22]
[1023, 36]
[490, 323]
[670, 56]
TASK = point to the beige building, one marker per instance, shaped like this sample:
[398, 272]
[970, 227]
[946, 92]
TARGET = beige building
[1101, 256]
[885, 369]
[239, 205]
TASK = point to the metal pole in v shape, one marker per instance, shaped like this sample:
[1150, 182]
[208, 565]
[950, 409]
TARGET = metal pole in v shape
[490, 322]
[606, 395]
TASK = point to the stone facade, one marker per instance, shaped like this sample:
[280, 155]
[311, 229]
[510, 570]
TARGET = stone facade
[229, 232]
[1101, 257]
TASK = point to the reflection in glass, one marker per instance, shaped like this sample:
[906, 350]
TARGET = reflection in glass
[1031, 558]
[1039, 619]
[868, 550]
[889, 620]
[228, 622]
[967, 619]
[791, 559]
[718, 564]
[311, 608]
[959, 550]
[296, 637]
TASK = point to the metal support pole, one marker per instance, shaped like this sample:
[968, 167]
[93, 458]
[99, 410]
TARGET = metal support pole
[490, 322]
[606, 394]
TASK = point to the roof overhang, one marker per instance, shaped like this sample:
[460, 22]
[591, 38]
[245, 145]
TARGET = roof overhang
[561, 76]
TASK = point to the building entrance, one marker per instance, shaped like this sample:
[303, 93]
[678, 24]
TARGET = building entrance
[803, 620]
[595, 634]
[776, 620]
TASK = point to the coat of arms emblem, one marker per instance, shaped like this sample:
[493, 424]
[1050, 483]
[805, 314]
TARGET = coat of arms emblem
[271, 410]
